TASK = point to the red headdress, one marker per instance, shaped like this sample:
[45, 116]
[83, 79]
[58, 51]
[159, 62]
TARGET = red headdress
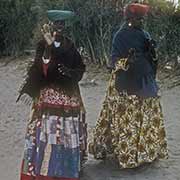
[136, 10]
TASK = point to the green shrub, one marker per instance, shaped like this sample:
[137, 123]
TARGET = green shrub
[93, 28]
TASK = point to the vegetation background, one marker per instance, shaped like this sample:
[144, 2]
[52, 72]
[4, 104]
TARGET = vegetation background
[92, 29]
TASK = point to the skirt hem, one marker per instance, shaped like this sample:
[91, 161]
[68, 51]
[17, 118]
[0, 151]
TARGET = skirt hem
[40, 177]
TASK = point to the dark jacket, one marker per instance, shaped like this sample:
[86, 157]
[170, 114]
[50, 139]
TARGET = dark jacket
[67, 55]
[125, 39]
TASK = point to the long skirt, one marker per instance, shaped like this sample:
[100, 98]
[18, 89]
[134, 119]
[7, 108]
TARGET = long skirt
[130, 129]
[55, 142]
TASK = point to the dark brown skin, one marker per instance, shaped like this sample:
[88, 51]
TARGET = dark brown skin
[58, 27]
[136, 22]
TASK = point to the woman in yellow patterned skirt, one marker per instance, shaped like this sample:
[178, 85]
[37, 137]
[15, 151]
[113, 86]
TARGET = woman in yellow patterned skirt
[130, 126]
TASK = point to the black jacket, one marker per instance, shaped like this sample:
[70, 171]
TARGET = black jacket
[67, 55]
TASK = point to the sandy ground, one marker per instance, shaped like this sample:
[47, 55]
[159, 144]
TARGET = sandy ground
[13, 119]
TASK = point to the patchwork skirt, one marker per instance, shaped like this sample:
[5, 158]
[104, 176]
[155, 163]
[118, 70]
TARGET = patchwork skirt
[130, 129]
[55, 141]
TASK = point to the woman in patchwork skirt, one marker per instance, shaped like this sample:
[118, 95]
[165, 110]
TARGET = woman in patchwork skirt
[55, 142]
[130, 126]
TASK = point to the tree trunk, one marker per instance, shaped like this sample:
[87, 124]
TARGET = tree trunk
[92, 54]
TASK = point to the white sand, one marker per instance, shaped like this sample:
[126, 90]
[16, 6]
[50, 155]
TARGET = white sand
[13, 119]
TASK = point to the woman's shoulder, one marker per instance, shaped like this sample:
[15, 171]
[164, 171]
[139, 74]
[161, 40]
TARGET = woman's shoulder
[119, 34]
[41, 42]
[68, 44]
[147, 35]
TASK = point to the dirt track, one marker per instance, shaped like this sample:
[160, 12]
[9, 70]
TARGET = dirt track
[13, 118]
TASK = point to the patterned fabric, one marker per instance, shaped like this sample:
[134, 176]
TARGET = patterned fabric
[55, 145]
[54, 97]
[129, 128]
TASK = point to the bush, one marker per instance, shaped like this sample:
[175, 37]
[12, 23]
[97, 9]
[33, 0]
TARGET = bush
[17, 21]
[93, 27]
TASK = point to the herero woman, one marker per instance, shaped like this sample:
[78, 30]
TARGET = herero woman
[55, 142]
[131, 125]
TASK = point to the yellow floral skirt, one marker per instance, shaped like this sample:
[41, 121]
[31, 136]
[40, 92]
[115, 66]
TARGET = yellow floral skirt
[130, 129]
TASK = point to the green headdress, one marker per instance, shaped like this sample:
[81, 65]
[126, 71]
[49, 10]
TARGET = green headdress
[55, 15]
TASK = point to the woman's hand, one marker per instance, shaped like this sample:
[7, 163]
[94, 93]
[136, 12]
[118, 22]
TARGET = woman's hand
[64, 70]
[122, 64]
[47, 34]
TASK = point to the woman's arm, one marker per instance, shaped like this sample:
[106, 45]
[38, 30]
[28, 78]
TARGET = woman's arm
[78, 68]
[117, 49]
[32, 81]
[75, 73]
